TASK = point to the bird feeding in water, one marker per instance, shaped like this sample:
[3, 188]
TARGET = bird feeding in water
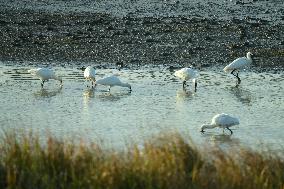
[112, 81]
[221, 120]
[186, 74]
[89, 74]
[237, 65]
[44, 74]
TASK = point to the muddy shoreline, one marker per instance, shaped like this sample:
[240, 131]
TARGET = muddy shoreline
[42, 36]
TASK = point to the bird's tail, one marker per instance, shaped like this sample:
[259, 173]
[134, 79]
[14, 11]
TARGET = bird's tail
[227, 69]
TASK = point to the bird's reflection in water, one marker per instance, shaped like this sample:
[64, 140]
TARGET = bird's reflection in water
[89, 93]
[242, 95]
[48, 93]
[221, 140]
[183, 94]
[107, 96]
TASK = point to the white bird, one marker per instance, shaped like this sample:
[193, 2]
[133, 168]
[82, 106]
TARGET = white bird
[185, 74]
[238, 64]
[112, 81]
[44, 74]
[89, 74]
[223, 121]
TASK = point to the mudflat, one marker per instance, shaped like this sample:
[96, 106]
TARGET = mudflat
[175, 33]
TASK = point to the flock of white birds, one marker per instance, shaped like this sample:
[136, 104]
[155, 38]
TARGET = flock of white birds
[220, 120]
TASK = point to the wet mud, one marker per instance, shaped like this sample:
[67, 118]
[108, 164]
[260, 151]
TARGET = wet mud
[45, 31]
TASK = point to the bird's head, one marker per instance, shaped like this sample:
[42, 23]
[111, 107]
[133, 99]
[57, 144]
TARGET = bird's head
[249, 55]
[206, 126]
[202, 128]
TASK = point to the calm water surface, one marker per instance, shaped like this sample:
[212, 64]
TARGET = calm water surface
[156, 104]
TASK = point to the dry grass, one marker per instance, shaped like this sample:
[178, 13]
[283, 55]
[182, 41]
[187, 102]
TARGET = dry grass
[165, 162]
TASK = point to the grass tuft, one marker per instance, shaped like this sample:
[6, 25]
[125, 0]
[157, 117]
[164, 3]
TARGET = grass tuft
[167, 161]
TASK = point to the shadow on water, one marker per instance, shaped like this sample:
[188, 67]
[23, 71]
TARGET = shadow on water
[46, 93]
[243, 95]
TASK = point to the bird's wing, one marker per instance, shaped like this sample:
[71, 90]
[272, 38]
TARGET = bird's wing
[110, 80]
[192, 73]
[89, 72]
[228, 120]
[186, 73]
[239, 63]
[45, 73]
[42, 73]
[179, 73]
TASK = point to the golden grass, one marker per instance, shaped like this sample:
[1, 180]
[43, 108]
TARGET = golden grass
[164, 162]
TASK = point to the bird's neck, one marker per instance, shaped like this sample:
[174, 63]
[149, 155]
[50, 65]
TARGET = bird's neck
[249, 57]
[208, 126]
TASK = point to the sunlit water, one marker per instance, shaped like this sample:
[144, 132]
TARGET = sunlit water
[157, 104]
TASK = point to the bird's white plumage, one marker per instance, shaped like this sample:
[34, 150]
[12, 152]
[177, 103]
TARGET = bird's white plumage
[221, 120]
[90, 73]
[44, 74]
[186, 73]
[224, 120]
[112, 81]
[239, 63]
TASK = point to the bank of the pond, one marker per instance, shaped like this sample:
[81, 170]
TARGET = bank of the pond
[166, 161]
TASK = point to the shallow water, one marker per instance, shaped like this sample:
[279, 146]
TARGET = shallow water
[156, 104]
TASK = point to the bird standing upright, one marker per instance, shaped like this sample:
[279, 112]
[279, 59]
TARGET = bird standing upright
[185, 74]
[221, 120]
[44, 74]
[89, 74]
[237, 65]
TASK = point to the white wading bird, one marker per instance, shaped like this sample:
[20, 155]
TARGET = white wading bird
[237, 65]
[89, 74]
[112, 81]
[221, 120]
[44, 74]
[186, 74]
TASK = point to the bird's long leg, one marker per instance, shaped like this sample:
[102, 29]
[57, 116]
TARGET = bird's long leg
[93, 82]
[237, 76]
[239, 80]
[42, 82]
[234, 72]
[183, 84]
[195, 86]
[230, 130]
[87, 82]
